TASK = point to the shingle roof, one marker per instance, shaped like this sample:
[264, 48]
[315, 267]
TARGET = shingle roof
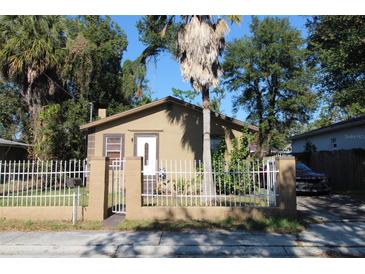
[4, 142]
[353, 122]
[168, 99]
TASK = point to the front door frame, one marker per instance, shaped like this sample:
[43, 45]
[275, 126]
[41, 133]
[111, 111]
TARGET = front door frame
[150, 134]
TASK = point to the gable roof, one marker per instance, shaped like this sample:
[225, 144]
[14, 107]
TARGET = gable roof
[9, 143]
[353, 122]
[168, 99]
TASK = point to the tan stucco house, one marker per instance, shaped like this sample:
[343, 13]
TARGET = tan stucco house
[166, 129]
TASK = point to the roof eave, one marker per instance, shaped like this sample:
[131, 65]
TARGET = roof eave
[157, 103]
[330, 128]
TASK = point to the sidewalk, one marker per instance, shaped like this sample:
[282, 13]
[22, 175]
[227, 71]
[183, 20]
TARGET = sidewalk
[329, 239]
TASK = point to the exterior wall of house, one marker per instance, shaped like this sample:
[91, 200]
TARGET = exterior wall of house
[345, 139]
[179, 132]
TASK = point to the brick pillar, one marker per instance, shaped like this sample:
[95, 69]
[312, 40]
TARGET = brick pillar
[287, 199]
[133, 184]
[98, 188]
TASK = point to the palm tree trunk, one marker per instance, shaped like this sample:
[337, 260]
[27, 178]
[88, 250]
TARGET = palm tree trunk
[33, 102]
[209, 185]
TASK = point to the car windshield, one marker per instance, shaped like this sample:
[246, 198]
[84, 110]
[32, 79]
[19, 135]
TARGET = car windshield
[302, 166]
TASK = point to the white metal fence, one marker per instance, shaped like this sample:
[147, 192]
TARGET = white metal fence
[42, 183]
[186, 183]
[118, 186]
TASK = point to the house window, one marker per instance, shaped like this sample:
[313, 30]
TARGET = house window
[333, 143]
[214, 142]
[113, 147]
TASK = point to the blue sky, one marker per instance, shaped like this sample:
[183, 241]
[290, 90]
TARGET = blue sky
[165, 73]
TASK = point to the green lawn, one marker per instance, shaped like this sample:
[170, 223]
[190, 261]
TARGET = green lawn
[48, 198]
[43, 198]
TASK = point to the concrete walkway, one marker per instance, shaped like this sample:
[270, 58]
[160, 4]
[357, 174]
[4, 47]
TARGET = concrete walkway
[347, 239]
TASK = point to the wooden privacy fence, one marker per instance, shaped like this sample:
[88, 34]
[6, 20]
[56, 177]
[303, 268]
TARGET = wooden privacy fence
[345, 168]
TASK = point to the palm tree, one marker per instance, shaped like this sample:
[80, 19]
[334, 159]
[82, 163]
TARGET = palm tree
[200, 43]
[30, 50]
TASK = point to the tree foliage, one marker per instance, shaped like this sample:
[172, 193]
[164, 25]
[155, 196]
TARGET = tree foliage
[93, 65]
[59, 136]
[12, 115]
[337, 43]
[218, 95]
[241, 146]
[197, 42]
[272, 82]
[31, 48]
[238, 159]
[57, 65]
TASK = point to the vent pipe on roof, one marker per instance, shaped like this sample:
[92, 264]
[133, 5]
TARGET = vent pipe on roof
[102, 113]
[91, 112]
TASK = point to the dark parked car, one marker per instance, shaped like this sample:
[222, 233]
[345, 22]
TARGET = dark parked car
[309, 181]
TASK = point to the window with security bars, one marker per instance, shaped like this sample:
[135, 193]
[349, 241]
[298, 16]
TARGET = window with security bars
[113, 147]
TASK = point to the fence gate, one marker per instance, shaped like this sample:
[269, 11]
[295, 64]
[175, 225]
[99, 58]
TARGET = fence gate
[117, 189]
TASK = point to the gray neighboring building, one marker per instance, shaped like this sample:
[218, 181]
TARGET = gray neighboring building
[11, 150]
[344, 135]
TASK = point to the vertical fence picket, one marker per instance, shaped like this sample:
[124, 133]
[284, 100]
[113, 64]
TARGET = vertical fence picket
[114, 187]
[214, 183]
[119, 165]
[55, 180]
[120, 189]
[8, 183]
[16, 180]
[2, 182]
[46, 194]
[165, 181]
[59, 183]
[51, 182]
[239, 182]
[36, 183]
[68, 174]
[181, 182]
[190, 183]
[257, 185]
[13, 183]
[195, 181]
[178, 183]
[84, 175]
[186, 185]
[27, 184]
[41, 185]
[76, 174]
[23, 181]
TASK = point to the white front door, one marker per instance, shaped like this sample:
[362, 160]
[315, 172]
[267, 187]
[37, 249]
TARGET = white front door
[147, 148]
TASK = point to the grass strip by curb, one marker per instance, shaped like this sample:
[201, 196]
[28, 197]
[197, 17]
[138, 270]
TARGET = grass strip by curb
[279, 225]
[29, 225]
